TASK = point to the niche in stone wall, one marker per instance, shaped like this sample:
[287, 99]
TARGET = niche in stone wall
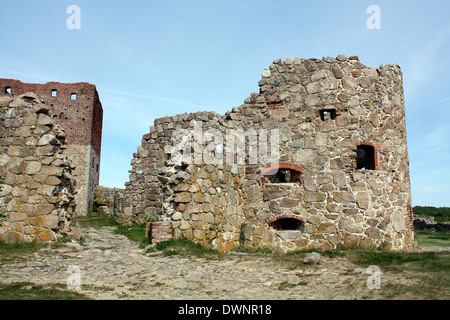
[282, 173]
[288, 222]
[327, 114]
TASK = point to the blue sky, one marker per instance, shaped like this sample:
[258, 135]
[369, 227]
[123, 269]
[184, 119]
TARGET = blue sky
[151, 58]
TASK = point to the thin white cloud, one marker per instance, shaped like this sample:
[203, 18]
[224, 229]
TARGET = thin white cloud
[440, 101]
[151, 97]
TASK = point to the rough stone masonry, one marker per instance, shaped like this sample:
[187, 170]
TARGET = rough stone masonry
[341, 178]
[76, 107]
[37, 196]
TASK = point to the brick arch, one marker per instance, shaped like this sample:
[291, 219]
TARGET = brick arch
[281, 165]
[272, 174]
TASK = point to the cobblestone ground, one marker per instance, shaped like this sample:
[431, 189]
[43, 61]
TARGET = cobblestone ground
[113, 267]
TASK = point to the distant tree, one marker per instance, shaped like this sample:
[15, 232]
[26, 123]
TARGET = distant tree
[441, 214]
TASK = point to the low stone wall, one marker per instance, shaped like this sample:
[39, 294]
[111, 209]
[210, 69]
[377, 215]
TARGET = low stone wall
[421, 223]
[37, 196]
[158, 231]
[106, 196]
[107, 200]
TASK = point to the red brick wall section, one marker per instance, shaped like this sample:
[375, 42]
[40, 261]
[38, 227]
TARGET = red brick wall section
[81, 118]
[283, 216]
[158, 231]
[282, 165]
[410, 217]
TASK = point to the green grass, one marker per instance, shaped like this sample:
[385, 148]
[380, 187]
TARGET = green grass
[429, 239]
[135, 233]
[428, 270]
[247, 249]
[18, 247]
[294, 259]
[11, 252]
[96, 222]
[31, 291]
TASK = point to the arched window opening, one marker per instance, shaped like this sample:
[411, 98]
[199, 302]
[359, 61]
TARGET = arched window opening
[282, 172]
[283, 176]
[73, 96]
[286, 224]
[8, 90]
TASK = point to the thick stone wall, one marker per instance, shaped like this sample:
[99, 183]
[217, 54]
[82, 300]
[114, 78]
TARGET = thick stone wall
[76, 107]
[337, 203]
[341, 178]
[37, 196]
[204, 203]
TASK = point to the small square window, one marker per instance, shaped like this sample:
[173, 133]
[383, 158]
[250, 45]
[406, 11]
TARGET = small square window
[73, 96]
[328, 114]
[54, 93]
[8, 90]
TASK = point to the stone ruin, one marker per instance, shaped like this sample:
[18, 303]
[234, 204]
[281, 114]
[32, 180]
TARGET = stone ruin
[316, 159]
[37, 194]
[77, 109]
[341, 176]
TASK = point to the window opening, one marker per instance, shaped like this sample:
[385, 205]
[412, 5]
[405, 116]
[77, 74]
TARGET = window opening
[328, 114]
[8, 90]
[54, 93]
[283, 176]
[365, 157]
[73, 96]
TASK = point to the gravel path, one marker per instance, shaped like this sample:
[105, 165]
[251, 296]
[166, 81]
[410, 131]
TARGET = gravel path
[113, 267]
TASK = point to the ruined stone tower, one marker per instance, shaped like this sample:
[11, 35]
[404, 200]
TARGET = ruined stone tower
[76, 107]
[341, 177]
